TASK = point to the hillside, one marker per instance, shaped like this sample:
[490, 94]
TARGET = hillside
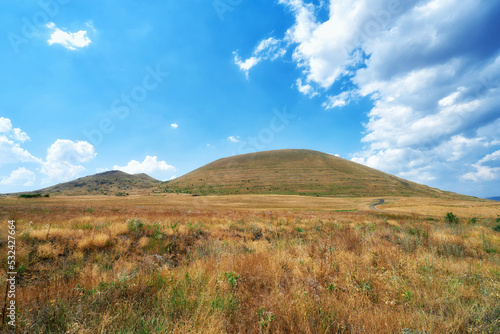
[107, 183]
[295, 172]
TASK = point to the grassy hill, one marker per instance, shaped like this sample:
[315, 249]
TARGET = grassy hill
[107, 183]
[295, 172]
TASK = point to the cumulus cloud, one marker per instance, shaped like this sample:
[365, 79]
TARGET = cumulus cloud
[431, 69]
[10, 144]
[269, 48]
[71, 41]
[486, 169]
[234, 139]
[174, 125]
[6, 129]
[5, 125]
[20, 135]
[19, 177]
[64, 159]
[12, 152]
[150, 165]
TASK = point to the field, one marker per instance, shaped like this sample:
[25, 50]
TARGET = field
[254, 264]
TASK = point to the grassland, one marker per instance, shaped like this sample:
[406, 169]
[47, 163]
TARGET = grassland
[112, 183]
[296, 172]
[254, 264]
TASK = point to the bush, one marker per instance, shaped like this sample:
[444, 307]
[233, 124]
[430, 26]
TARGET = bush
[451, 218]
[473, 220]
[135, 225]
[232, 278]
[30, 195]
[497, 226]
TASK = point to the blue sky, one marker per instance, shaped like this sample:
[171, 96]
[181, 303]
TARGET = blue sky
[164, 87]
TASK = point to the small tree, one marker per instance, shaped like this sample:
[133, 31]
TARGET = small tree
[451, 218]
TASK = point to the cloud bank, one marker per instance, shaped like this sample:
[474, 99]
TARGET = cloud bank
[432, 71]
[64, 160]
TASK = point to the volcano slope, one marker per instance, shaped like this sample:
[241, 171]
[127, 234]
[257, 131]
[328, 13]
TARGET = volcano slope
[296, 172]
[107, 183]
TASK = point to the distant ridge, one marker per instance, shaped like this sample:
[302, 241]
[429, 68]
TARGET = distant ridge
[495, 198]
[107, 183]
[296, 172]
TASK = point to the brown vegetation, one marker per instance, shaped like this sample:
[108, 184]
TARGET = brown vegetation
[229, 265]
[296, 172]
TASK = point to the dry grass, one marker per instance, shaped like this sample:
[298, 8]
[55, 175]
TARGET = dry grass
[229, 265]
[49, 251]
[94, 242]
[438, 207]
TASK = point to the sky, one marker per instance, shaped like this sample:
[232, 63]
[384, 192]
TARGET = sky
[163, 87]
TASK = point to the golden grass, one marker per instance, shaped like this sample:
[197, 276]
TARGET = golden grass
[48, 251]
[230, 265]
[143, 242]
[439, 207]
[95, 241]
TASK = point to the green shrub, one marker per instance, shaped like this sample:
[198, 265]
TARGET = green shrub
[473, 220]
[265, 319]
[451, 218]
[232, 278]
[135, 225]
[30, 195]
[497, 226]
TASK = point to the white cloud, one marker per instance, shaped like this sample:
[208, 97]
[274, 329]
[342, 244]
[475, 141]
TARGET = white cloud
[20, 135]
[247, 64]
[486, 169]
[5, 125]
[149, 166]
[269, 48]
[234, 139]
[306, 89]
[19, 177]
[432, 70]
[10, 144]
[64, 159]
[71, 41]
[495, 156]
[418, 175]
[338, 101]
[482, 173]
[12, 152]
[7, 129]
[74, 152]
[174, 125]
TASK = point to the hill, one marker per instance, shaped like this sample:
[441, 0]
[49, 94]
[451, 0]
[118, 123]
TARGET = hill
[296, 172]
[107, 183]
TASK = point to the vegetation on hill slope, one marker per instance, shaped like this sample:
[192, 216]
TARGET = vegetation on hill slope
[107, 183]
[295, 172]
